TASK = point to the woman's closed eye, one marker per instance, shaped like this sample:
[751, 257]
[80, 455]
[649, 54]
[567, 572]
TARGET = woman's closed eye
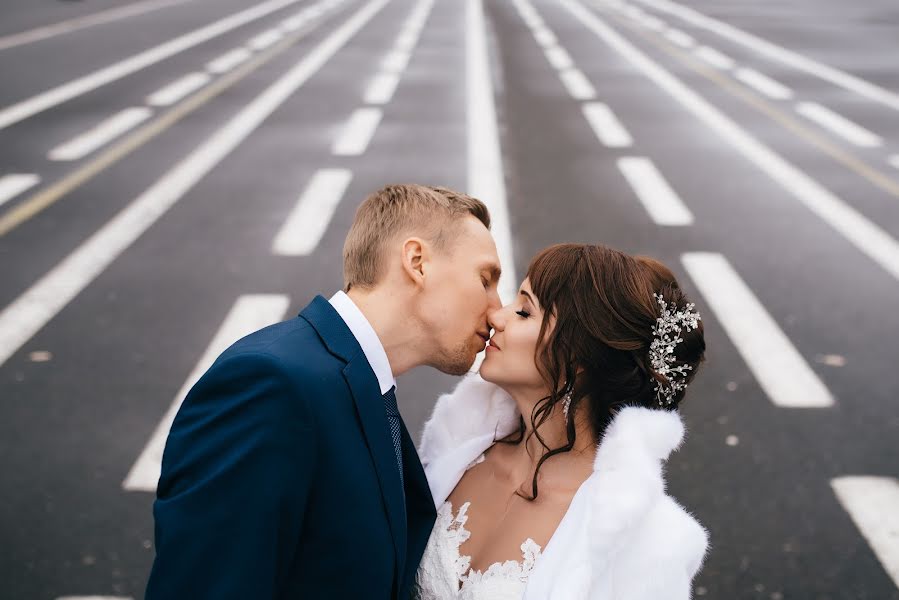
[523, 313]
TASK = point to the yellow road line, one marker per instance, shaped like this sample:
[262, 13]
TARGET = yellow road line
[861, 168]
[48, 196]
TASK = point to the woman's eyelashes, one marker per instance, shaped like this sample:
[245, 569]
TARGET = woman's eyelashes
[523, 313]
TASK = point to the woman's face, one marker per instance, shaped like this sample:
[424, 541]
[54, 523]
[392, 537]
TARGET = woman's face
[511, 361]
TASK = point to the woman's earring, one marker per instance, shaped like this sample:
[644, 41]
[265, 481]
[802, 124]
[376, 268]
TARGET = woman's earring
[566, 404]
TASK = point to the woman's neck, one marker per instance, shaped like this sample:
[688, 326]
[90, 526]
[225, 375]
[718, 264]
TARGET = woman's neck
[553, 431]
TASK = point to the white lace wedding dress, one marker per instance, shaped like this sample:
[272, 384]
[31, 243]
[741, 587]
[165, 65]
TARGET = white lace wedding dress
[444, 574]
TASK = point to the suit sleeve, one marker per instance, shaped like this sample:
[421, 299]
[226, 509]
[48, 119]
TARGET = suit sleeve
[236, 477]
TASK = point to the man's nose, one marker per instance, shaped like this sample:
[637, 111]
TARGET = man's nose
[496, 320]
[494, 302]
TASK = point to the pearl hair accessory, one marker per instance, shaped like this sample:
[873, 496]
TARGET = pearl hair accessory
[666, 335]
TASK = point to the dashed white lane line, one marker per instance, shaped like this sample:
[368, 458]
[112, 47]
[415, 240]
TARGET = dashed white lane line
[839, 125]
[652, 23]
[763, 84]
[396, 61]
[780, 370]
[178, 89]
[381, 88]
[265, 39]
[558, 57]
[101, 134]
[660, 201]
[679, 38]
[228, 61]
[42, 301]
[357, 132]
[873, 504]
[545, 37]
[309, 219]
[606, 126]
[578, 86]
[63, 93]
[772, 51]
[485, 164]
[864, 234]
[14, 184]
[248, 314]
[714, 58]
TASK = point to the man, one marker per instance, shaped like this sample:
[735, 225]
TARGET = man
[288, 472]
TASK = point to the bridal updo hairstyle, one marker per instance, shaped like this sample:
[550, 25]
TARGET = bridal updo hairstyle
[598, 349]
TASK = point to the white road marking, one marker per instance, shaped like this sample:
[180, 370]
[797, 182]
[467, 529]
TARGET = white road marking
[715, 58]
[653, 23]
[31, 311]
[873, 504]
[577, 84]
[396, 61]
[106, 16]
[265, 39]
[248, 314]
[295, 22]
[894, 160]
[764, 84]
[228, 61]
[558, 57]
[545, 37]
[780, 370]
[839, 125]
[865, 235]
[309, 219]
[678, 37]
[772, 51]
[661, 202]
[406, 41]
[101, 134]
[606, 126]
[357, 133]
[14, 184]
[178, 89]
[485, 164]
[381, 88]
[36, 104]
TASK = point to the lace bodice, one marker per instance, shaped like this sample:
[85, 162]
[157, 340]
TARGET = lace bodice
[442, 568]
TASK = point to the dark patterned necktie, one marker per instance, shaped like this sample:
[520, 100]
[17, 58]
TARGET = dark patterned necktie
[394, 423]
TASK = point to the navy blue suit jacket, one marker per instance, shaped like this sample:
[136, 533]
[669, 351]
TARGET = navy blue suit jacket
[279, 478]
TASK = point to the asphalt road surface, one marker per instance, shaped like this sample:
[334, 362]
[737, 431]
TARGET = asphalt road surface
[175, 173]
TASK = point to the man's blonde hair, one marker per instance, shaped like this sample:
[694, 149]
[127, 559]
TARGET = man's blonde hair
[430, 212]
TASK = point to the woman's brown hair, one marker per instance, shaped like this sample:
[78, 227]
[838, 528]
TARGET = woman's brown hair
[604, 308]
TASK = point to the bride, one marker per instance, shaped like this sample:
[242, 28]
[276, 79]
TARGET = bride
[546, 468]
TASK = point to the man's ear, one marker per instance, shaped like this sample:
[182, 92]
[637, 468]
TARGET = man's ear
[415, 257]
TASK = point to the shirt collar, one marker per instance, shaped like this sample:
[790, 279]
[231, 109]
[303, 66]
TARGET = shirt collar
[367, 338]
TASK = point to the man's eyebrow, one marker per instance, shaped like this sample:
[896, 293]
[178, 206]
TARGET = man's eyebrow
[494, 270]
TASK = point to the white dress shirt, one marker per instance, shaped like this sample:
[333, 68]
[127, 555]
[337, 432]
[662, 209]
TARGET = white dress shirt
[367, 338]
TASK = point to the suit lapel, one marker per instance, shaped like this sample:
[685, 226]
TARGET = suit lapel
[420, 511]
[366, 393]
[373, 418]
